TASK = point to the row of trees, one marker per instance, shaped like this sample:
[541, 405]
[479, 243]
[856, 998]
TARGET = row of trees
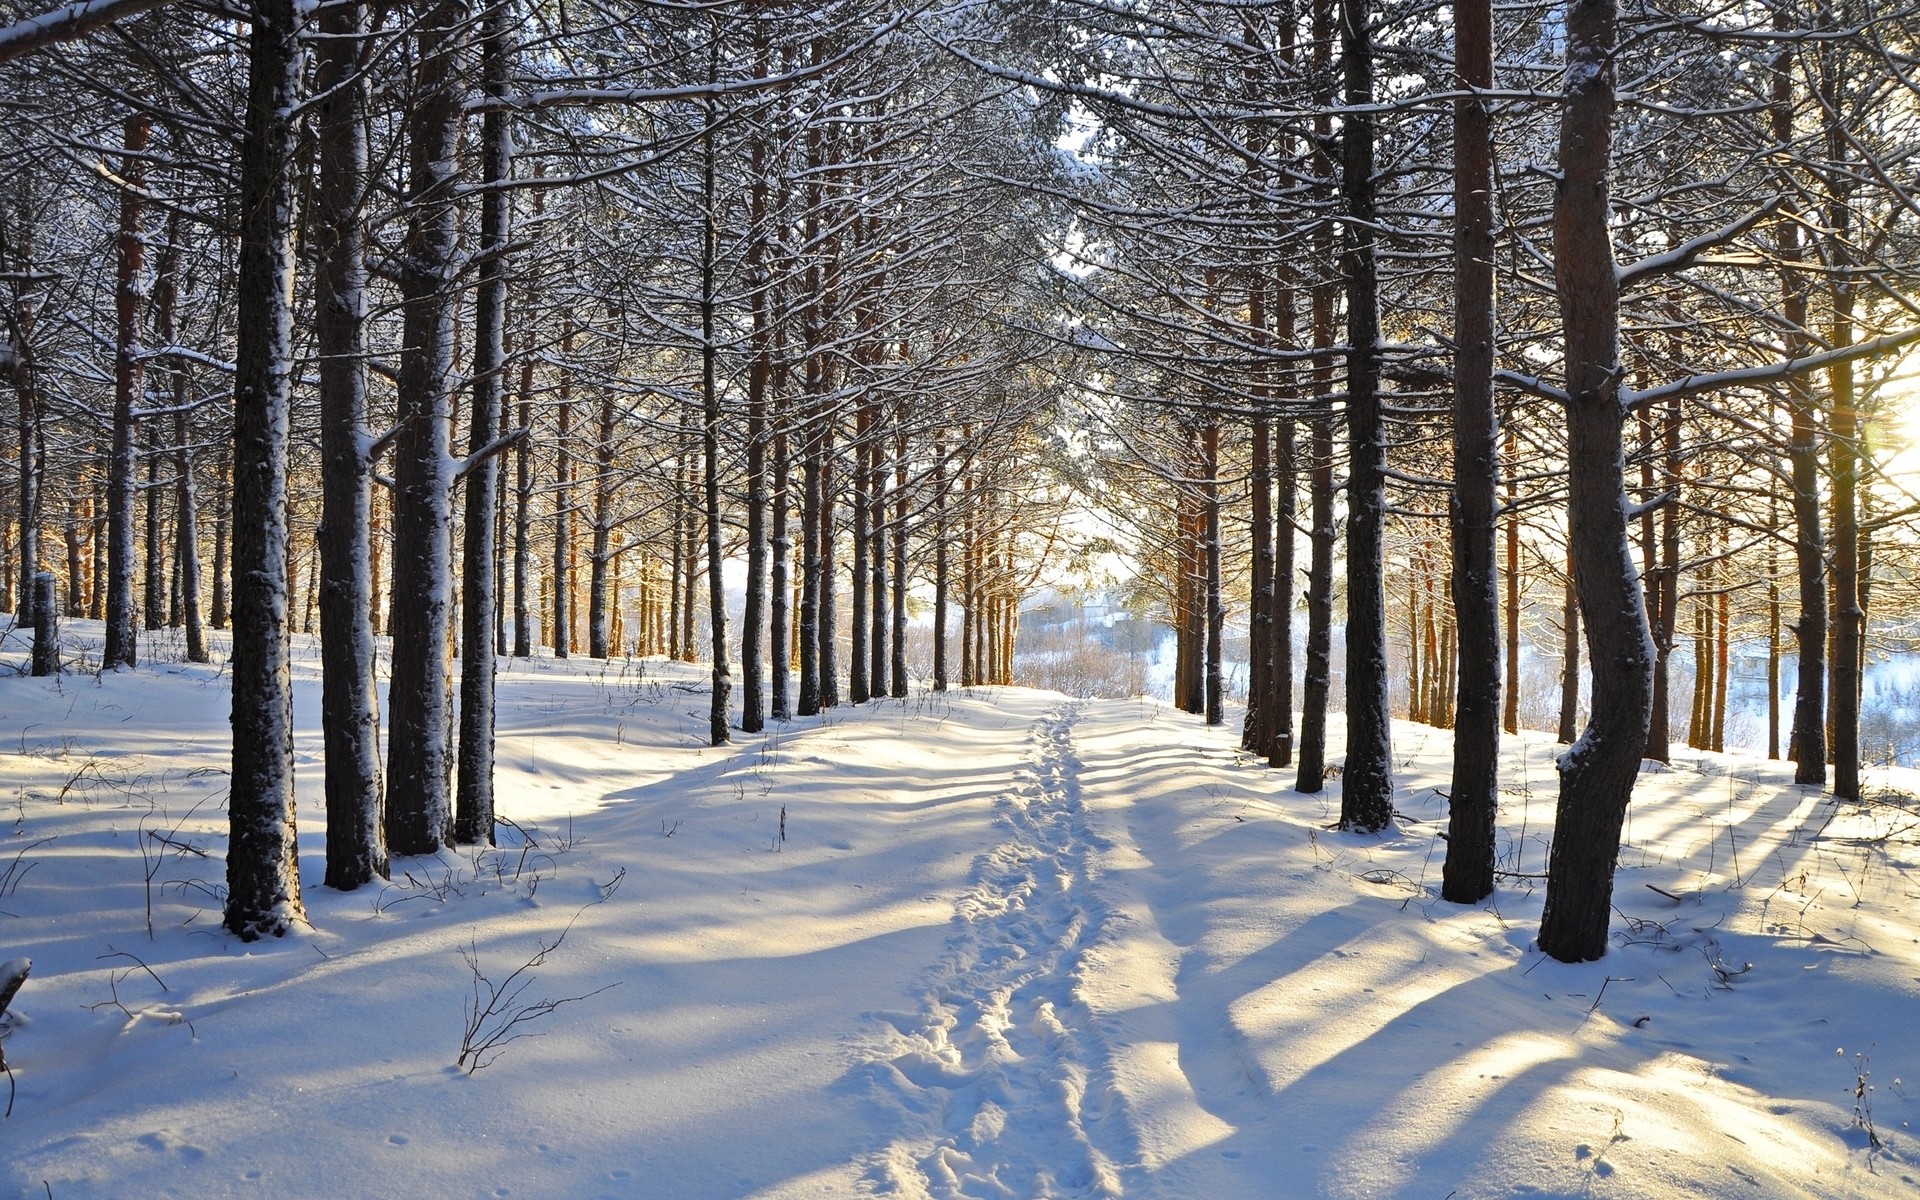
[1620, 323]
[670, 286]
[659, 288]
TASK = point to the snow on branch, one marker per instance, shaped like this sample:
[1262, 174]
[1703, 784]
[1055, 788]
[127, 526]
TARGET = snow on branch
[67, 23]
[1683, 255]
[1533, 385]
[1694, 385]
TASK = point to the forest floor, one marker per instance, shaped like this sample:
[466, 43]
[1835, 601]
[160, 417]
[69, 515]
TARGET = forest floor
[994, 943]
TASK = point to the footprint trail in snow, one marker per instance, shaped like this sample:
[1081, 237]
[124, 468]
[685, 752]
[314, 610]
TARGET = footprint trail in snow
[1001, 1078]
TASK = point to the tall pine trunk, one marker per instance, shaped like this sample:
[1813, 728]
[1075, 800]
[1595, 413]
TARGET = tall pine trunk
[263, 868]
[419, 815]
[722, 677]
[350, 723]
[1597, 774]
[122, 645]
[473, 796]
[1467, 876]
[1809, 735]
[1366, 796]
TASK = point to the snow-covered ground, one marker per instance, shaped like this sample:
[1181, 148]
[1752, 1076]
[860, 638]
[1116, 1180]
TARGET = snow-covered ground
[1010, 945]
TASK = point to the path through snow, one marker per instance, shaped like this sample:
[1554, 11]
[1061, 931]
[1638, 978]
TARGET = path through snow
[999, 1078]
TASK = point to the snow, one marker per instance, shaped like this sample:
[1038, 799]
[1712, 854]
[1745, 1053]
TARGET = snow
[1010, 945]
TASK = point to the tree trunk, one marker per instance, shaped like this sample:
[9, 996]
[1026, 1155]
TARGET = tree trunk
[1570, 656]
[219, 607]
[45, 656]
[122, 646]
[419, 763]
[710, 437]
[807, 635]
[473, 797]
[523, 521]
[1280, 648]
[1597, 774]
[1216, 610]
[263, 868]
[753, 620]
[942, 564]
[1366, 795]
[561, 635]
[1256, 735]
[899, 649]
[28, 496]
[780, 553]
[153, 557]
[350, 723]
[599, 602]
[860, 507]
[1467, 876]
[1317, 671]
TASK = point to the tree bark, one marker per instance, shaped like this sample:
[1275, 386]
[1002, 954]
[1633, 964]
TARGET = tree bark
[263, 868]
[473, 796]
[942, 564]
[1467, 876]
[1570, 657]
[600, 603]
[350, 722]
[1366, 795]
[561, 635]
[710, 438]
[122, 644]
[1597, 774]
[419, 817]
[1216, 610]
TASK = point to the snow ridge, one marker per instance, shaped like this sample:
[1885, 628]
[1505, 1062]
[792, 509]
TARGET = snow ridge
[1001, 1079]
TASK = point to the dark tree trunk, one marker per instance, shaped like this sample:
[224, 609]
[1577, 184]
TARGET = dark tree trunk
[122, 645]
[599, 602]
[860, 515]
[186, 532]
[1366, 795]
[942, 565]
[1570, 659]
[1256, 734]
[1317, 674]
[877, 566]
[523, 521]
[154, 555]
[1467, 876]
[187, 536]
[473, 796]
[1843, 700]
[899, 648]
[1658, 620]
[419, 762]
[263, 868]
[1280, 679]
[219, 608]
[1317, 670]
[1216, 610]
[753, 619]
[808, 627]
[561, 635]
[710, 439]
[28, 495]
[780, 552]
[1597, 774]
[350, 723]
[45, 659]
[1511, 720]
[828, 612]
